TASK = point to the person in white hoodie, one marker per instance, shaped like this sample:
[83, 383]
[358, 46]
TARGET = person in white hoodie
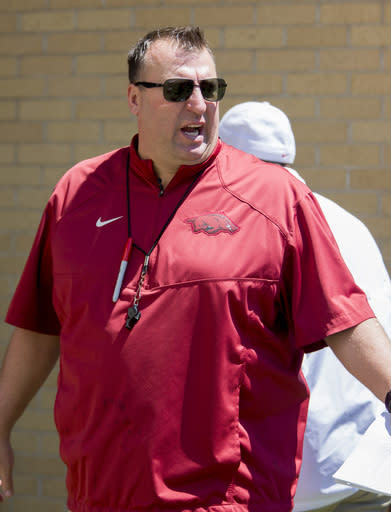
[341, 408]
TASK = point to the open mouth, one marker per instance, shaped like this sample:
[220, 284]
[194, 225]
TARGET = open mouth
[192, 130]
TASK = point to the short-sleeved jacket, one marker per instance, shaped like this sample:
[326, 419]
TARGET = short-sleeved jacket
[202, 405]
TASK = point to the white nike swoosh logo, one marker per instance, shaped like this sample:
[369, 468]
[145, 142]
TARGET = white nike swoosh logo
[100, 222]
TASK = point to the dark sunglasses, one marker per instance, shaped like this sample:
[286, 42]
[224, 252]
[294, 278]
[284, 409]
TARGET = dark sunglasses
[180, 89]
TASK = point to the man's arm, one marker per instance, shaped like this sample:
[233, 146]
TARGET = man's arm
[29, 359]
[365, 351]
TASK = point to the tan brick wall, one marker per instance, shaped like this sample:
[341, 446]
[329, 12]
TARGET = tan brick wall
[63, 98]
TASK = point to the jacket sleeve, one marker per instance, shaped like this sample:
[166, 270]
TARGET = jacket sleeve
[31, 306]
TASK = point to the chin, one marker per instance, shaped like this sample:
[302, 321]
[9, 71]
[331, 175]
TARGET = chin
[197, 154]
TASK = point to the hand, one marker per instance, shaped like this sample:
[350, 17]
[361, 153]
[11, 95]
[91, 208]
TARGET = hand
[6, 465]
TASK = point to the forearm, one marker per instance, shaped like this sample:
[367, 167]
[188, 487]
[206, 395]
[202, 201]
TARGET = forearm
[365, 351]
[28, 361]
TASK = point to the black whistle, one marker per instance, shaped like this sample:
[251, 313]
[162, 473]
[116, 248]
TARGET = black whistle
[133, 317]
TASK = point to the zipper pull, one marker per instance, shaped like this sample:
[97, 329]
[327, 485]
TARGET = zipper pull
[160, 186]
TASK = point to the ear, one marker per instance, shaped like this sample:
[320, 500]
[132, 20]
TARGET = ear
[133, 98]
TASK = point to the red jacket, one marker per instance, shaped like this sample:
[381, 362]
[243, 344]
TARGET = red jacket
[202, 405]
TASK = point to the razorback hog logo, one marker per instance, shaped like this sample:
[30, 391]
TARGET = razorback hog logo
[212, 224]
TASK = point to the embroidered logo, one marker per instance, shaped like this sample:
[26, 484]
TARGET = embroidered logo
[100, 222]
[212, 224]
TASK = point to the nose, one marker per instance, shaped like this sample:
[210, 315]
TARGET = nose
[196, 102]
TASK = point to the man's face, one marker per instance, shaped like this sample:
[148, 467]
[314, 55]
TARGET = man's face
[170, 133]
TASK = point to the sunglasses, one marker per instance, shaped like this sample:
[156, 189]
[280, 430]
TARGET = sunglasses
[180, 89]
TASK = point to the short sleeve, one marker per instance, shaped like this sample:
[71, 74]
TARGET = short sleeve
[31, 306]
[322, 297]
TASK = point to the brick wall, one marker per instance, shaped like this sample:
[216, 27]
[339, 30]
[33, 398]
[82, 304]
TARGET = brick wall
[63, 98]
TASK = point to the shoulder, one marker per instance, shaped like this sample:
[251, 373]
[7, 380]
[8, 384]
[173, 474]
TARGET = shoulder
[269, 188]
[89, 177]
[100, 168]
[346, 227]
[342, 219]
[353, 238]
[246, 174]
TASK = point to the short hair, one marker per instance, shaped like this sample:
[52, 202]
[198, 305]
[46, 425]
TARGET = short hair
[188, 38]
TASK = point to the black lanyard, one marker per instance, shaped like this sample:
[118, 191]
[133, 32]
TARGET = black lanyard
[133, 312]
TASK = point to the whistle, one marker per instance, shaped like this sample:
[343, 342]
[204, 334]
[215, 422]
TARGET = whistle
[133, 317]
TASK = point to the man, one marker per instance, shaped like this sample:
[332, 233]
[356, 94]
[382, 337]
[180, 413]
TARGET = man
[180, 385]
[340, 408]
